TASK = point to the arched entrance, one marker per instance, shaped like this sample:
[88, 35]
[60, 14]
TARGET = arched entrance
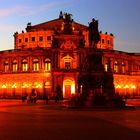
[68, 88]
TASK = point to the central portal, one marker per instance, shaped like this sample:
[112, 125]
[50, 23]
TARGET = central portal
[68, 88]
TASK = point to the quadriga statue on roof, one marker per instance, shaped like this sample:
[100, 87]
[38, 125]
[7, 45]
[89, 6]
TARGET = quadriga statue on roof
[67, 23]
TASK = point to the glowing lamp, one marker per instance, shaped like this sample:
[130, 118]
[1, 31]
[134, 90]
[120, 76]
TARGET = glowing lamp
[133, 86]
[4, 86]
[118, 86]
[25, 86]
[14, 86]
[126, 86]
[47, 83]
[38, 86]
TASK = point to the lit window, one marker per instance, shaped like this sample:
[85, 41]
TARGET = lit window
[123, 67]
[24, 65]
[6, 66]
[116, 67]
[35, 65]
[47, 65]
[67, 62]
[14, 66]
[106, 67]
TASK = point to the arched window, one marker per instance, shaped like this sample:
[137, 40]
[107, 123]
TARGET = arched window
[106, 67]
[47, 66]
[6, 66]
[123, 67]
[24, 65]
[116, 67]
[67, 65]
[35, 65]
[14, 66]
[67, 62]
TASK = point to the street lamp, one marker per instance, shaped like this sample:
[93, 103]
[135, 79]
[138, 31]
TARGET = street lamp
[81, 88]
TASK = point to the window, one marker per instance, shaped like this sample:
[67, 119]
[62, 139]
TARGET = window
[116, 67]
[19, 40]
[106, 67]
[103, 41]
[24, 65]
[26, 39]
[48, 37]
[67, 62]
[6, 66]
[14, 66]
[47, 65]
[35, 65]
[41, 38]
[108, 42]
[67, 65]
[123, 67]
[33, 39]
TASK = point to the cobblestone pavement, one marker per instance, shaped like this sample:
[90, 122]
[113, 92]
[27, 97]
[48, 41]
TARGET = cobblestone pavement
[22, 121]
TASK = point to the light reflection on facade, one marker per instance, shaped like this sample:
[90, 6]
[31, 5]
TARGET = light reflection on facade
[44, 57]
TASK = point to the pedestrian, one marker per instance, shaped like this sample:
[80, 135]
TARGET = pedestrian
[56, 99]
[24, 97]
[28, 99]
[47, 99]
[35, 96]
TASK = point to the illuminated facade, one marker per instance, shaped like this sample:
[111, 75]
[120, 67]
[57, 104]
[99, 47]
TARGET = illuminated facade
[52, 53]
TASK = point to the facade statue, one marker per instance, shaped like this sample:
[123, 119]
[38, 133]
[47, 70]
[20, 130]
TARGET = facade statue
[67, 23]
[28, 24]
[61, 15]
[67, 17]
[94, 36]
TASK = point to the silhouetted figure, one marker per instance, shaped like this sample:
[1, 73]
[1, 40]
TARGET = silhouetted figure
[24, 98]
[56, 99]
[33, 97]
[29, 24]
[67, 23]
[61, 15]
[28, 99]
[94, 36]
[47, 99]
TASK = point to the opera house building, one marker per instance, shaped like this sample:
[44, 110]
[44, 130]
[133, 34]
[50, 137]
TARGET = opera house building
[54, 53]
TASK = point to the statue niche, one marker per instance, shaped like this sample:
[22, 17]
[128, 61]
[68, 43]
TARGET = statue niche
[94, 36]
